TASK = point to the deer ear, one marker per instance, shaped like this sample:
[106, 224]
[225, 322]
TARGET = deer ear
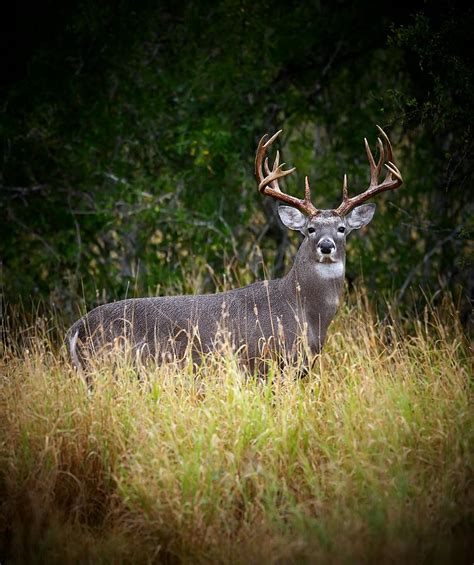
[360, 216]
[292, 218]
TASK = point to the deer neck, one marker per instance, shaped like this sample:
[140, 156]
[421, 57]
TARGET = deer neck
[316, 287]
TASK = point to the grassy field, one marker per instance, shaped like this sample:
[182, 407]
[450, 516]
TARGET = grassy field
[367, 460]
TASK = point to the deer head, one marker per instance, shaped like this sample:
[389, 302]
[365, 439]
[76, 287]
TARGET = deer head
[326, 230]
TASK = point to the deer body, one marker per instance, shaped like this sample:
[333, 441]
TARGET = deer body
[266, 314]
[267, 317]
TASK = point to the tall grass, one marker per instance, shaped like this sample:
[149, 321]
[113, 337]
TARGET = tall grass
[367, 459]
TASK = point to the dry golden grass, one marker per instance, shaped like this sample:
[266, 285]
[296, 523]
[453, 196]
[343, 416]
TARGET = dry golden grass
[368, 459]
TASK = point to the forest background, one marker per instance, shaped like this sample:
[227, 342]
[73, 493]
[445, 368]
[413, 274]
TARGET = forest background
[128, 132]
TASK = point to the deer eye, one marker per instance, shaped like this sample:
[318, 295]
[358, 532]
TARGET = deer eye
[341, 229]
[311, 230]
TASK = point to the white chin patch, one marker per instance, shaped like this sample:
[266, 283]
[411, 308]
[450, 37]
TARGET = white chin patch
[330, 270]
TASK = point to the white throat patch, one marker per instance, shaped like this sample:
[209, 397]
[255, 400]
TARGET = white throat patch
[330, 270]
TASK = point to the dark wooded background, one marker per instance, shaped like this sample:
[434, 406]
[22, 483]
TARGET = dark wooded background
[128, 131]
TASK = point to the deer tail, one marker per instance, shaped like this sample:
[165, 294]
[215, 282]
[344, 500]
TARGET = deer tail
[73, 352]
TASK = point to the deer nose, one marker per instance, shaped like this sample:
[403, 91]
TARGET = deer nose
[326, 246]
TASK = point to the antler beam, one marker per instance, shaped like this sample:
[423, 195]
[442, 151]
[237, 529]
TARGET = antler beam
[268, 183]
[393, 178]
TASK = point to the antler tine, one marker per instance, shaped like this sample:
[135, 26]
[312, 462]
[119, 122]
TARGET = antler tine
[374, 168]
[387, 141]
[276, 162]
[307, 196]
[266, 167]
[393, 178]
[268, 184]
[370, 157]
[275, 167]
[345, 196]
[259, 157]
[272, 138]
[381, 155]
[273, 175]
[394, 170]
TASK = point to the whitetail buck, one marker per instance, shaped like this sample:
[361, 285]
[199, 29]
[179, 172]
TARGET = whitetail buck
[264, 318]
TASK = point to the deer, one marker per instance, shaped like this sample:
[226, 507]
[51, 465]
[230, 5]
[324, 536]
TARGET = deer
[264, 319]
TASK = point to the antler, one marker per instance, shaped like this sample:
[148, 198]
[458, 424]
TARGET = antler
[269, 184]
[392, 180]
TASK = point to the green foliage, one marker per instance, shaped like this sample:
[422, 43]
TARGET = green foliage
[128, 145]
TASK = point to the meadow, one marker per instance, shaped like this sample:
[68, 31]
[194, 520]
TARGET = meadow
[368, 459]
